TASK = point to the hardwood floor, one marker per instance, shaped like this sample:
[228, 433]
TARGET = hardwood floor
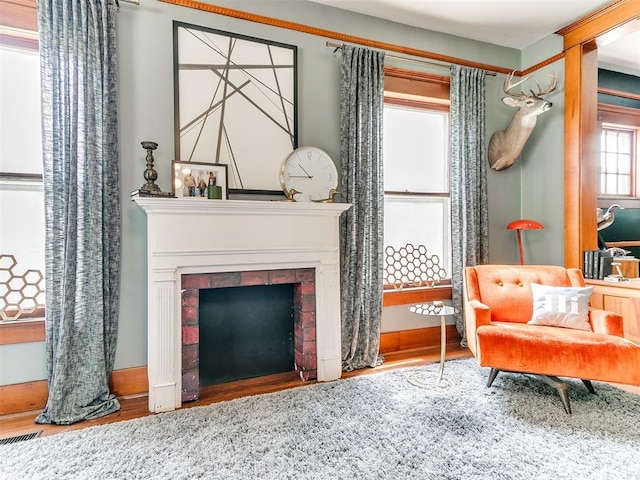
[137, 406]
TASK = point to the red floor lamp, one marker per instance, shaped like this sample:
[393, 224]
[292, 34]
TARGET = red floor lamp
[523, 224]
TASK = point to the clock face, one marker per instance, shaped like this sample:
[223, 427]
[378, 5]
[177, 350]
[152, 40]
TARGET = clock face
[310, 172]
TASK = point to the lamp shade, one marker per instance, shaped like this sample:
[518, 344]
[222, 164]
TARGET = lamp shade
[524, 224]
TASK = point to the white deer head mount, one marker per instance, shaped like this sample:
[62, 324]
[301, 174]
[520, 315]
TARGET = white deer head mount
[506, 145]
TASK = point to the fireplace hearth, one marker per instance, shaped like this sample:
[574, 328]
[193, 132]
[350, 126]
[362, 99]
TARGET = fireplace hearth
[236, 239]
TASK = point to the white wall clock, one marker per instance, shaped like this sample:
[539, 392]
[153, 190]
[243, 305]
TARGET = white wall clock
[308, 174]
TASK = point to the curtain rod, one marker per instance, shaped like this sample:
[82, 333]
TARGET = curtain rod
[338, 46]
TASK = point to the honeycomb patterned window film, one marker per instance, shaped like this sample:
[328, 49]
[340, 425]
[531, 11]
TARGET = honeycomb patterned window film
[21, 295]
[411, 266]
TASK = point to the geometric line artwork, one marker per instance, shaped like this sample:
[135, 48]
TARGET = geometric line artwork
[235, 104]
[410, 266]
[21, 296]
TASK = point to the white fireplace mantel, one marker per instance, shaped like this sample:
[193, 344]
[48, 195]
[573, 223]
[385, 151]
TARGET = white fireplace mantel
[194, 235]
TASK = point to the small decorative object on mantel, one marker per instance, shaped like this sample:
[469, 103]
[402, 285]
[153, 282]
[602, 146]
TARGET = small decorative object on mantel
[330, 199]
[312, 171]
[214, 192]
[290, 196]
[150, 189]
[204, 181]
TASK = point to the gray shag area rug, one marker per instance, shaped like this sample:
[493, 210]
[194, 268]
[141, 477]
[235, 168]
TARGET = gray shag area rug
[381, 426]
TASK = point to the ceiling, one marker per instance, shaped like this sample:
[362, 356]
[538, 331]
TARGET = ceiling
[510, 23]
[621, 52]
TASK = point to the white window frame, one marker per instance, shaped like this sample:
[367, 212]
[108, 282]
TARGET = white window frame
[442, 198]
[13, 181]
[634, 181]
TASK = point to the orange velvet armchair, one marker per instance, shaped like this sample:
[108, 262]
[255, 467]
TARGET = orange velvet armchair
[499, 303]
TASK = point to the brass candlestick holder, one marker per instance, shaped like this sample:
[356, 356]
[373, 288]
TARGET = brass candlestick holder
[150, 189]
[150, 175]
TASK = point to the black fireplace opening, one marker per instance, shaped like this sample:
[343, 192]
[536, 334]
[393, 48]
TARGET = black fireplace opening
[245, 332]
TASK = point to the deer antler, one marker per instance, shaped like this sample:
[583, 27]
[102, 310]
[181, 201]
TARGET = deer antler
[508, 85]
[550, 88]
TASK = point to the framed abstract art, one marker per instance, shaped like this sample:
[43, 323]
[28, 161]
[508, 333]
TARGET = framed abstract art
[235, 104]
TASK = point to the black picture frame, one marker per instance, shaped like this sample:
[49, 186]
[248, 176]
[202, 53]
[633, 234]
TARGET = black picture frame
[235, 103]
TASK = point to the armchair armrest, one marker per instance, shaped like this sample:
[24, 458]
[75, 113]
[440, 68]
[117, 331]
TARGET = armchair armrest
[606, 322]
[477, 314]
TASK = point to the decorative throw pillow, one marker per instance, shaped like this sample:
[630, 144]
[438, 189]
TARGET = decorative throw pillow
[566, 307]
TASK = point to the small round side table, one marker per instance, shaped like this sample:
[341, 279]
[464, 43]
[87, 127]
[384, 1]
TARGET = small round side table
[435, 309]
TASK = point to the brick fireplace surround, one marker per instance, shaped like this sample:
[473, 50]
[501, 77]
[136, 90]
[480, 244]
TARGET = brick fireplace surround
[304, 317]
[241, 240]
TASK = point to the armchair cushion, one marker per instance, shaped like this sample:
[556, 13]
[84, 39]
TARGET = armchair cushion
[566, 307]
[558, 351]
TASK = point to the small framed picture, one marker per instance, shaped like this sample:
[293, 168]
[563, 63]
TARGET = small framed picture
[200, 180]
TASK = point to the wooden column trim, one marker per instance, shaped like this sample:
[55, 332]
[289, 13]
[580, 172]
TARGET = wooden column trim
[589, 150]
[599, 22]
[580, 153]
[572, 95]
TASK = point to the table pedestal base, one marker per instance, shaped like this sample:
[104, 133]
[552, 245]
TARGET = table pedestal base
[441, 310]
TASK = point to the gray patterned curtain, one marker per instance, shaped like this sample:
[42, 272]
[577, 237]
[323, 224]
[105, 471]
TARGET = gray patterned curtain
[82, 205]
[469, 212]
[361, 227]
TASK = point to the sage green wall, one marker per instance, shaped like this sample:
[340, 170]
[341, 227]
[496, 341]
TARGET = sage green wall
[542, 182]
[503, 186]
[145, 62]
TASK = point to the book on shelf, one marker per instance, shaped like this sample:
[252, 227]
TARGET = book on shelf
[597, 264]
[605, 269]
[587, 269]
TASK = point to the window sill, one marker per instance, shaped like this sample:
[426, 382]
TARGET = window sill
[23, 331]
[407, 296]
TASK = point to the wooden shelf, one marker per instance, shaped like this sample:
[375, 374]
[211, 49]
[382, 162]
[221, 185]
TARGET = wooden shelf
[619, 297]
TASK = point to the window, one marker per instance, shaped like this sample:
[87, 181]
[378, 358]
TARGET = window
[619, 152]
[416, 189]
[21, 195]
[618, 147]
